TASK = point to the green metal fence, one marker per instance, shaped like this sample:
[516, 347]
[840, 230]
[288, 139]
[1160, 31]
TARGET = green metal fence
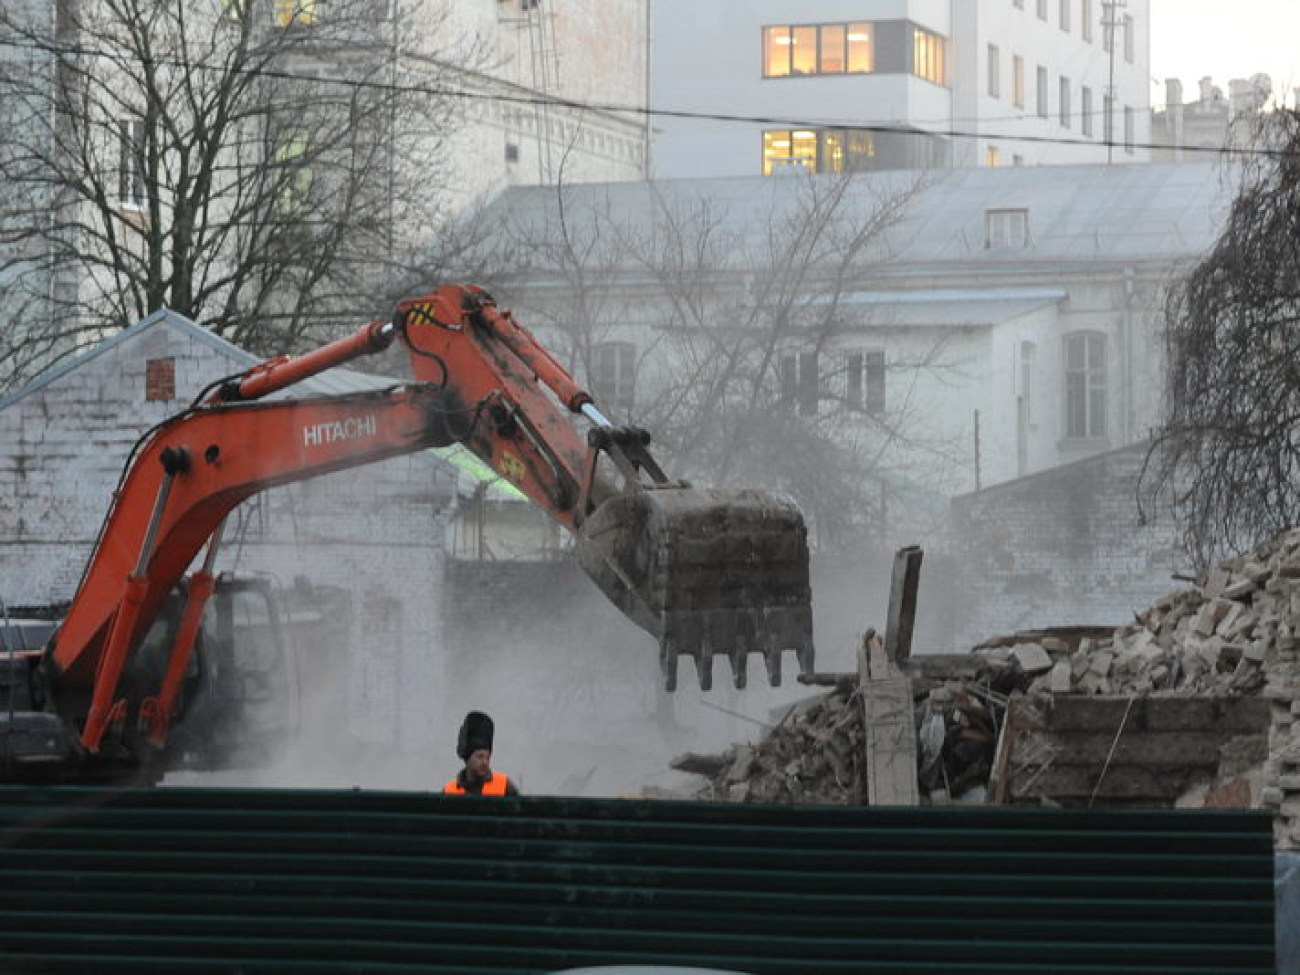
[250, 881]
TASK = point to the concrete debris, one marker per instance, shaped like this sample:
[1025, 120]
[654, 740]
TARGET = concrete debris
[814, 755]
[1235, 633]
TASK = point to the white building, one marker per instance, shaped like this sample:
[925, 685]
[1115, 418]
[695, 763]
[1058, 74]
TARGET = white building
[834, 85]
[1013, 317]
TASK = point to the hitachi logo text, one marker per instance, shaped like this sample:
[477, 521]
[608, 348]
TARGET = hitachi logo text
[319, 434]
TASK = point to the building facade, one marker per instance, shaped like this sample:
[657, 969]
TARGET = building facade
[832, 85]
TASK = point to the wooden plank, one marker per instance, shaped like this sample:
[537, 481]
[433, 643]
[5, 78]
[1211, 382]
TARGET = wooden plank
[901, 617]
[1164, 748]
[1077, 712]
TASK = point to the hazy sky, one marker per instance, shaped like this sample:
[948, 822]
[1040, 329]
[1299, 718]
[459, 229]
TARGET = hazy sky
[1225, 39]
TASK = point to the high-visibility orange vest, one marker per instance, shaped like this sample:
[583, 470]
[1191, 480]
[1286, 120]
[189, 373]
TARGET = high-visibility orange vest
[494, 786]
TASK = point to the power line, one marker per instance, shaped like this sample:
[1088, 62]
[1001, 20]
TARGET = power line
[645, 111]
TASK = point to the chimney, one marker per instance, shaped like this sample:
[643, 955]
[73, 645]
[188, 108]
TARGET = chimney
[1207, 89]
[1173, 93]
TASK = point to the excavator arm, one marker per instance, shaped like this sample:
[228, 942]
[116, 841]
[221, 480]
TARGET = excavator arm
[704, 571]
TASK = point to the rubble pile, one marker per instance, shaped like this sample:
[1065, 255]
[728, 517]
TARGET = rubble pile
[813, 755]
[1234, 632]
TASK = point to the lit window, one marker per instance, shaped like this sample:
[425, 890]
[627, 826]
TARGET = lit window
[816, 49]
[832, 49]
[995, 72]
[130, 162]
[859, 48]
[929, 56]
[1085, 110]
[1042, 93]
[799, 381]
[992, 156]
[824, 151]
[1085, 386]
[864, 381]
[1063, 99]
[1006, 228]
[776, 51]
[295, 12]
[803, 50]
[1017, 81]
[613, 375]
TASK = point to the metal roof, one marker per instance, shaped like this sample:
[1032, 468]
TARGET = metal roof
[1135, 212]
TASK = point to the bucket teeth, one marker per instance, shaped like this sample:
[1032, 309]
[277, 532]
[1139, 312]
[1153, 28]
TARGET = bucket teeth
[709, 572]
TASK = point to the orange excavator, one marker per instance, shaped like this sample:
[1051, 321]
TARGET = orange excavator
[708, 572]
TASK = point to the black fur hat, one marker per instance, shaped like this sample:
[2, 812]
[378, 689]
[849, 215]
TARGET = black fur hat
[475, 733]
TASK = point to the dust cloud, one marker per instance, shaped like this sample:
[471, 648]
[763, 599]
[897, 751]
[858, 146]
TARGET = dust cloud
[573, 687]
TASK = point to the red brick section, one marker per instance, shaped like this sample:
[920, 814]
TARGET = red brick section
[160, 379]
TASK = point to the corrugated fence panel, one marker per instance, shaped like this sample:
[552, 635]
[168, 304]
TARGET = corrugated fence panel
[250, 881]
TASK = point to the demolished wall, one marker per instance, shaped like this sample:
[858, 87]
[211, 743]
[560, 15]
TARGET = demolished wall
[1235, 633]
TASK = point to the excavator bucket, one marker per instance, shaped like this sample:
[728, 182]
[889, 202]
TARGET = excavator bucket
[707, 571]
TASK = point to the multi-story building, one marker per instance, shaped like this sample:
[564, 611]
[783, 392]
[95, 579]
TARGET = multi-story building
[283, 157]
[832, 85]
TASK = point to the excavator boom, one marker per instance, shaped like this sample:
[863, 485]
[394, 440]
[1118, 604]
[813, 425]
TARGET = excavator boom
[708, 572]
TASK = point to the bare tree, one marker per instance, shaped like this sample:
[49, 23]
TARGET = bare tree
[247, 163]
[734, 336]
[1228, 449]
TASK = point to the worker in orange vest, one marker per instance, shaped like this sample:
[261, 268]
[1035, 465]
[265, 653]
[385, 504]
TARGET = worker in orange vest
[474, 748]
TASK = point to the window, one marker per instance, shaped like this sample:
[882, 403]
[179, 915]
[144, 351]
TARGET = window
[1042, 9]
[1065, 15]
[1063, 100]
[992, 156]
[1017, 160]
[929, 56]
[1085, 386]
[512, 152]
[1107, 119]
[295, 13]
[613, 375]
[1129, 123]
[798, 372]
[818, 151]
[1085, 110]
[130, 162]
[1108, 32]
[817, 49]
[995, 72]
[1018, 4]
[864, 381]
[1006, 228]
[1085, 20]
[293, 172]
[159, 380]
[1017, 81]
[1128, 38]
[1042, 92]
